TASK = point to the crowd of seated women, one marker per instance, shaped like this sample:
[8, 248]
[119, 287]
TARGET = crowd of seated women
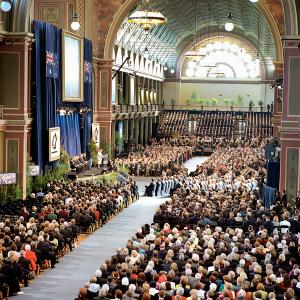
[35, 237]
[212, 240]
[173, 121]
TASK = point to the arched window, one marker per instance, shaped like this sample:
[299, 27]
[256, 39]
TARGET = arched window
[222, 60]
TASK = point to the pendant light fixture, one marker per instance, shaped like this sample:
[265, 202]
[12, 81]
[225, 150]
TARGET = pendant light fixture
[147, 18]
[75, 25]
[229, 25]
[194, 54]
[209, 66]
[5, 6]
[257, 60]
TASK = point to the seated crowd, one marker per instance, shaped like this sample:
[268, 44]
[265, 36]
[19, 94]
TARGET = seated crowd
[215, 124]
[173, 121]
[37, 236]
[259, 124]
[213, 240]
[156, 160]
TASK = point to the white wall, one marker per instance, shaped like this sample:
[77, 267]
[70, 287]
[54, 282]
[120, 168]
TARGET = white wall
[252, 91]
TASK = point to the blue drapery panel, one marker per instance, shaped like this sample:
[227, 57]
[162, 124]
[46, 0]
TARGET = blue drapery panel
[70, 133]
[268, 196]
[273, 172]
[47, 89]
[38, 95]
[87, 119]
[269, 148]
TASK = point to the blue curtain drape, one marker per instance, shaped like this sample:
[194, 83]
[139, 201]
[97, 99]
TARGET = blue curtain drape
[268, 196]
[47, 80]
[70, 133]
[47, 89]
[273, 173]
[38, 88]
[87, 119]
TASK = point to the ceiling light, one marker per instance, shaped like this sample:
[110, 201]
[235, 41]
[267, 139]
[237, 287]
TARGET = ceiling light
[172, 70]
[5, 6]
[257, 60]
[253, 1]
[165, 68]
[146, 53]
[75, 24]
[147, 18]
[229, 25]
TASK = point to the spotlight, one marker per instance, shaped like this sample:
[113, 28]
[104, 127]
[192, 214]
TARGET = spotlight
[5, 6]
[229, 25]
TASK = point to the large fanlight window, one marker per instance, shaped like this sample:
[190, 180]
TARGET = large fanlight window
[223, 60]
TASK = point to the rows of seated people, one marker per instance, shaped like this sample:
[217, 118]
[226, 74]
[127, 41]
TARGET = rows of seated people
[173, 121]
[156, 160]
[215, 124]
[34, 234]
[212, 240]
[259, 124]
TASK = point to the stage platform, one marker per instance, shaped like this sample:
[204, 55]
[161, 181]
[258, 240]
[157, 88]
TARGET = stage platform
[203, 151]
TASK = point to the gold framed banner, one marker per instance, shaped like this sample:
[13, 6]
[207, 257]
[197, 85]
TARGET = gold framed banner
[54, 143]
[96, 133]
[72, 67]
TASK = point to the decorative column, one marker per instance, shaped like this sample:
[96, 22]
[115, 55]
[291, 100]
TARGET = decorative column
[103, 97]
[146, 130]
[290, 129]
[113, 136]
[277, 98]
[126, 129]
[15, 121]
[131, 133]
[136, 130]
[141, 138]
[150, 127]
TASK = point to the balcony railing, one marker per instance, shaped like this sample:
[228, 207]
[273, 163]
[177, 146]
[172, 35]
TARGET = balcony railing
[124, 108]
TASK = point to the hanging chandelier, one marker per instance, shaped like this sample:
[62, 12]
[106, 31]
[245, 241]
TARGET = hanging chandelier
[147, 18]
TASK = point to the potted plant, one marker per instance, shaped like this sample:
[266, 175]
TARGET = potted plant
[93, 151]
[251, 105]
[226, 102]
[240, 100]
[231, 104]
[173, 101]
[214, 102]
[201, 102]
[261, 104]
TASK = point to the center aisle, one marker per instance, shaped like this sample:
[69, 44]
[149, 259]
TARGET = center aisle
[77, 267]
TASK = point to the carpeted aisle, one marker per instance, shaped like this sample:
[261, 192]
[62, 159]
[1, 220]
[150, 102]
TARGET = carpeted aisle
[64, 281]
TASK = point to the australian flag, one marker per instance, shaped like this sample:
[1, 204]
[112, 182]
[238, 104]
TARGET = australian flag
[87, 71]
[51, 64]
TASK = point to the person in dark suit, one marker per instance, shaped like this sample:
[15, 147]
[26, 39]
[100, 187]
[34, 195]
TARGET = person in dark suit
[150, 189]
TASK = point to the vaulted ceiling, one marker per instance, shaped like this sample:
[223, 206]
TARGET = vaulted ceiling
[207, 17]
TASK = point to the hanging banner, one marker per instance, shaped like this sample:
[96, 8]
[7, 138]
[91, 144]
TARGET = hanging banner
[96, 133]
[54, 143]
